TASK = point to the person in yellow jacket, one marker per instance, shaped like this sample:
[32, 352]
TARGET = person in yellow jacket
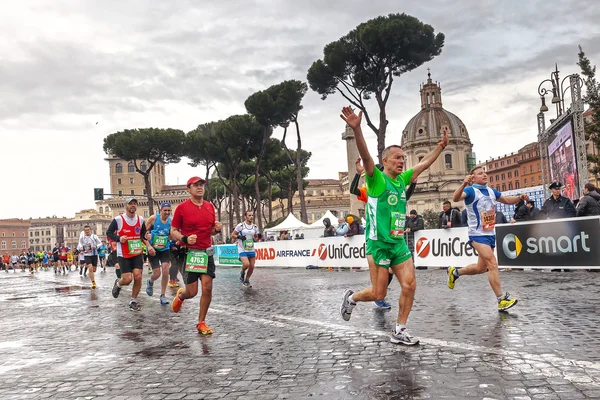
[69, 259]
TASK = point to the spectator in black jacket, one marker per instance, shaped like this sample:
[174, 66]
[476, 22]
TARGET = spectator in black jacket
[534, 212]
[558, 206]
[590, 202]
[413, 224]
[521, 212]
[353, 228]
[329, 229]
[450, 216]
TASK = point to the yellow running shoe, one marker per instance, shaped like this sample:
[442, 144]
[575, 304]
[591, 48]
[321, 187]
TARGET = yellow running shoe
[506, 302]
[93, 285]
[203, 329]
[451, 277]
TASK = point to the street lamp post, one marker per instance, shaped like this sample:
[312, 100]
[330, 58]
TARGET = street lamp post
[575, 110]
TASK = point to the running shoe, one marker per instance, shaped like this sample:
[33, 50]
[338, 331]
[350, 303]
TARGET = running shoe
[383, 304]
[203, 329]
[149, 271]
[506, 302]
[173, 284]
[242, 276]
[346, 307]
[134, 306]
[116, 289]
[149, 287]
[247, 283]
[451, 277]
[403, 337]
[163, 299]
[93, 285]
[177, 302]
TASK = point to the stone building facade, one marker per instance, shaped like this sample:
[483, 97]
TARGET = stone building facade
[14, 236]
[516, 170]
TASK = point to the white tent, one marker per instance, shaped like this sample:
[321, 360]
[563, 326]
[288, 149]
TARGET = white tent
[290, 223]
[319, 224]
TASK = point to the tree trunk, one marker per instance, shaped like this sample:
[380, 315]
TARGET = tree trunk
[230, 214]
[270, 201]
[382, 128]
[257, 176]
[299, 180]
[236, 198]
[290, 205]
[149, 193]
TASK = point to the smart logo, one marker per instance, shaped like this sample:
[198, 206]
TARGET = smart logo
[546, 245]
[508, 240]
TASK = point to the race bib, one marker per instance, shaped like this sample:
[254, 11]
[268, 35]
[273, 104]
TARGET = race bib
[397, 224]
[248, 244]
[489, 220]
[87, 247]
[135, 247]
[196, 261]
[160, 242]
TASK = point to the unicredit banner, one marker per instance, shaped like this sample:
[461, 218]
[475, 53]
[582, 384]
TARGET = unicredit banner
[569, 242]
[323, 252]
[443, 248]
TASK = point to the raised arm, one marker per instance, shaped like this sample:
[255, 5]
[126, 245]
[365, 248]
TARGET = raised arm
[353, 121]
[430, 157]
[459, 194]
[513, 199]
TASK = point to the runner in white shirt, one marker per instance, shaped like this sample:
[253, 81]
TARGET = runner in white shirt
[88, 243]
[245, 234]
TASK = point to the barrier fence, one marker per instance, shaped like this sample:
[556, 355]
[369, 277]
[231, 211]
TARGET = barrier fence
[565, 243]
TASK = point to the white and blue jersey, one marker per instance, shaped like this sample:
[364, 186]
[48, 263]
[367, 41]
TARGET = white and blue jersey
[480, 202]
[245, 241]
[160, 234]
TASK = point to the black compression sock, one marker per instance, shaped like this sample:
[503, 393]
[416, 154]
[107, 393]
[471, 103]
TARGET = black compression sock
[118, 272]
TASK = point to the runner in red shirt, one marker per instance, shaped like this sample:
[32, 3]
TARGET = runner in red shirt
[194, 223]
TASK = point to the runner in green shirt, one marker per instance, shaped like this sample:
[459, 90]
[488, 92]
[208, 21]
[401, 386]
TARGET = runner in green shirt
[385, 213]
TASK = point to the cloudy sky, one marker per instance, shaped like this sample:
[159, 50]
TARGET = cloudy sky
[67, 64]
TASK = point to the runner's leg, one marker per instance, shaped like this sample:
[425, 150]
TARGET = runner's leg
[405, 272]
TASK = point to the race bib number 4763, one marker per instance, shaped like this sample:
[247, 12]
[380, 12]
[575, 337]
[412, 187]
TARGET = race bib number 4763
[196, 261]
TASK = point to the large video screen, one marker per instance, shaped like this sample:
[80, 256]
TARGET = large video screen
[563, 163]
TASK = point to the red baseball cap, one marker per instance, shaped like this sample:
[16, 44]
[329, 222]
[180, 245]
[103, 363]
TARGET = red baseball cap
[194, 179]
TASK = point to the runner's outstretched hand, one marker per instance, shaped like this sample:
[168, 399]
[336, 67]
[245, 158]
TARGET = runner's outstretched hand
[351, 118]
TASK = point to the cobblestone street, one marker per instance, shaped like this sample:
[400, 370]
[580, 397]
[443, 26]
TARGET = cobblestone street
[284, 339]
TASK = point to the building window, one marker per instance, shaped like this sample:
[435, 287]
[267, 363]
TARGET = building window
[23, 234]
[448, 160]
[531, 168]
[497, 178]
[317, 216]
[119, 181]
[120, 193]
[503, 187]
[420, 159]
[3, 234]
[496, 165]
[146, 214]
[516, 173]
[14, 234]
[539, 167]
[525, 182]
[130, 167]
[503, 178]
[4, 245]
[515, 160]
[491, 179]
[501, 163]
[100, 210]
[144, 166]
[508, 162]
[131, 180]
[132, 192]
[144, 191]
[23, 244]
[498, 187]
[509, 175]
[510, 186]
[14, 244]
[118, 168]
[524, 171]
[540, 179]
[517, 186]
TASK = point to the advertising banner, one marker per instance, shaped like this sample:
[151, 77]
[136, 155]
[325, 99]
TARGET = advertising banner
[443, 248]
[569, 242]
[227, 255]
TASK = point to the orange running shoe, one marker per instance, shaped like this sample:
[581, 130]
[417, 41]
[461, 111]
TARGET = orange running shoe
[177, 302]
[203, 329]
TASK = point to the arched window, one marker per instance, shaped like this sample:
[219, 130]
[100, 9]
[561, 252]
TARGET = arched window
[497, 178]
[144, 166]
[517, 186]
[510, 186]
[4, 245]
[420, 159]
[101, 210]
[118, 168]
[23, 244]
[516, 173]
[509, 175]
[14, 244]
[503, 187]
[448, 160]
[130, 167]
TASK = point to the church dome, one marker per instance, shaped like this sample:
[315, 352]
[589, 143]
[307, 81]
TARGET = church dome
[429, 124]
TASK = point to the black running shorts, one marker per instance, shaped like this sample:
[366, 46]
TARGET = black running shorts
[127, 265]
[160, 258]
[91, 260]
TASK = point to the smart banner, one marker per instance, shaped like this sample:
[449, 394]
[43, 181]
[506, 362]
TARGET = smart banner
[227, 255]
[569, 242]
[443, 248]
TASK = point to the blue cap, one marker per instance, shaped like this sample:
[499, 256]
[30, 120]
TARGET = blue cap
[165, 204]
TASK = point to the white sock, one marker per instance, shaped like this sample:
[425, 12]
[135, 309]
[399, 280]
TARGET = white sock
[351, 300]
[399, 327]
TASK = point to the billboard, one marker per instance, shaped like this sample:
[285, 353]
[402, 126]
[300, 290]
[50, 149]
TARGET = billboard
[535, 193]
[563, 163]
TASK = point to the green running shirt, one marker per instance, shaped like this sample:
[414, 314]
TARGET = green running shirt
[386, 206]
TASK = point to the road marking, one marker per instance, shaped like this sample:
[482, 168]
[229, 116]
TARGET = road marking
[553, 359]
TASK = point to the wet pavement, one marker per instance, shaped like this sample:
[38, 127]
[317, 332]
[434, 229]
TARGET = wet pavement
[284, 339]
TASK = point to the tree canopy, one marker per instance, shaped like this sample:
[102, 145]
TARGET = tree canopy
[363, 63]
[592, 98]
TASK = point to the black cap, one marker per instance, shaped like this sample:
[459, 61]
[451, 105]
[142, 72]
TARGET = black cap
[555, 185]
